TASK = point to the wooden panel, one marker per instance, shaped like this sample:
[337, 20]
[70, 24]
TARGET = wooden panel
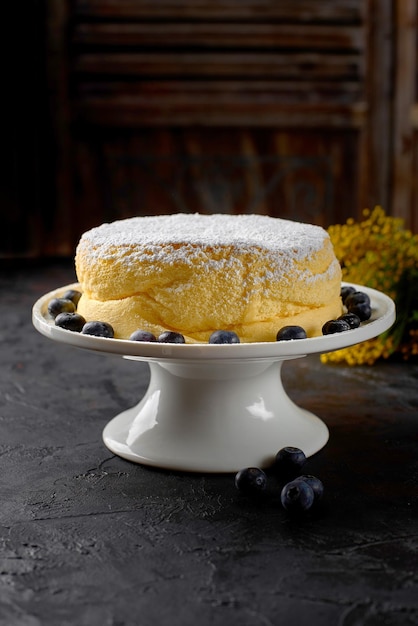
[301, 66]
[299, 176]
[199, 106]
[169, 63]
[184, 110]
[405, 201]
[283, 91]
[375, 139]
[288, 108]
[229, 35]
[405, 96]
[220, 10]
[412, 207]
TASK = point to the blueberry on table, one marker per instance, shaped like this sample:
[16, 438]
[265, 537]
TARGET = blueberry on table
[289, 461]
[251, 481]
[291, 332]
[170, 336]
[362, 310]
[315, 484]
[98, 329]
[73, 295]
[352, 319]
[60, 305]
[142, 335]
[70, 321]
[335, 326]
[224, 336]
[297, 496]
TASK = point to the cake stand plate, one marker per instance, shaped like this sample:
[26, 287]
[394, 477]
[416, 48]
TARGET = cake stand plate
[214, 408]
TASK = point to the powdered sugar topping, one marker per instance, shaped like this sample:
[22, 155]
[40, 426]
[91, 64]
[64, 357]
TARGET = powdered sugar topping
[188, 235]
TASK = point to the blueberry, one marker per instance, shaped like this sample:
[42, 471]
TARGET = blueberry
[60, 305]
[70, 321]
[315, 484]
[251, 481]
[73, 295]
[335, 326]
[297, 496]
[170, 336]
[289, 461]
[352, 320]
[345, 292]
[362, 310]
[99, 329]
[142, 335]
[291, 332]
[355, 298]
[224, 336]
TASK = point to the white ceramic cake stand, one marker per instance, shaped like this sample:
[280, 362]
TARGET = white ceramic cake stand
[215, 408]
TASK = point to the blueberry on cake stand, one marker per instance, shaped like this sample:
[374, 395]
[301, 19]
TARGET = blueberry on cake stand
[215, 408]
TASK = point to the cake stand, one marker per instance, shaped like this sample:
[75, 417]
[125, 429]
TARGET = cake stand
[214, 408]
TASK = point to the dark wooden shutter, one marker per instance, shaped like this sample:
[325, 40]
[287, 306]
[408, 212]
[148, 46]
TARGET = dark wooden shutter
[234, 106]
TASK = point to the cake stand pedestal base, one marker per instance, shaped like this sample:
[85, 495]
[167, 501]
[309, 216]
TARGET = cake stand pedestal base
[213, 417]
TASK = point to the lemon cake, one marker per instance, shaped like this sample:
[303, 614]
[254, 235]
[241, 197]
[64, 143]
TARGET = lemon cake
[194, 273]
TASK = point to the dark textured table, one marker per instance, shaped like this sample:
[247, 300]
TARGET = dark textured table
[90, 539]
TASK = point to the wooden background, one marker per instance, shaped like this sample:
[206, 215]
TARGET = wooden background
[303, 109]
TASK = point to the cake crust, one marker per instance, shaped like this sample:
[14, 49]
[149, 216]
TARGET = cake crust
[195, 273]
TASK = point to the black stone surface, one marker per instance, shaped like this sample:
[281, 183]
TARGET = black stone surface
[93, 540]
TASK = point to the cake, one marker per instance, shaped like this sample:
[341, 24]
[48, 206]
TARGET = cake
[193, 274]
